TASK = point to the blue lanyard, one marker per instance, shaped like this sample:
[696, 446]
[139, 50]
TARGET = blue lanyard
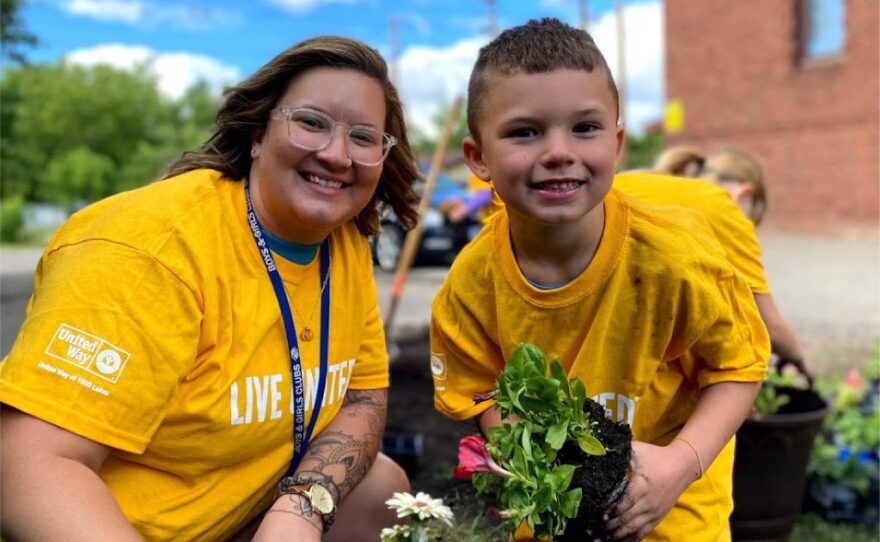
[301, 434]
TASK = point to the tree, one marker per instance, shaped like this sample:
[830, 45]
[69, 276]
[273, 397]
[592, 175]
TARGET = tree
[62, 123]
[642, 151]
[12, 32]
[425, 145]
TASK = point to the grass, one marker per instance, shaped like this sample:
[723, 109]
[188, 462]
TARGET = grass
[812, 528]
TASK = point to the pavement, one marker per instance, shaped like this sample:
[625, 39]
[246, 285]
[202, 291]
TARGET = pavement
[828, 287]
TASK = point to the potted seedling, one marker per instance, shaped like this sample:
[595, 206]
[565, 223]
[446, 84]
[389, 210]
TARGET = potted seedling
[561, 462]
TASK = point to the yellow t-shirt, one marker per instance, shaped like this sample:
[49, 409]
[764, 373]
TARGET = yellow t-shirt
[657, 315]
[731, 226]
[154, 330]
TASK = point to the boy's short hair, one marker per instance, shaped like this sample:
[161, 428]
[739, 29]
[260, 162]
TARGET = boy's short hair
[539, 46]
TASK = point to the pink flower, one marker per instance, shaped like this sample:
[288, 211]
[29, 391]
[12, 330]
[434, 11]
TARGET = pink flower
[473, 457]
[854, 380]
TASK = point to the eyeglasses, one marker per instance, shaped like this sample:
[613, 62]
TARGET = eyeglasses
[313, 131]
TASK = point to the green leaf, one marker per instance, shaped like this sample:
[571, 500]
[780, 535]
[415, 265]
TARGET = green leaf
[569, 502]
[579, 393]
[556, 435]
[526, 441]
[590, 444]
[480, 480]
[543, 498]
[561, 477]
[534, 357]
[558, 373]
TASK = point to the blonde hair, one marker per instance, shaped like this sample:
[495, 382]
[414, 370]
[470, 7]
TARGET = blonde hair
[677, 160]
[734, 165]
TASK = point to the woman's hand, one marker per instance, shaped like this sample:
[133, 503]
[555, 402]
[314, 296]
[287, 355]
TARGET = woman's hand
[660, 474]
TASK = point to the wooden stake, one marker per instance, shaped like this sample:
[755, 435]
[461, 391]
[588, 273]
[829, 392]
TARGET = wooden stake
[411, 243]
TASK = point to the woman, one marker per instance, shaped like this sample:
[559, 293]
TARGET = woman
[179, 334]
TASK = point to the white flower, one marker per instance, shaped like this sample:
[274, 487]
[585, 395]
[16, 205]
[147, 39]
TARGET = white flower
[422, 507]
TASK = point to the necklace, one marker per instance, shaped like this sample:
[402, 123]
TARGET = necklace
[306, 334]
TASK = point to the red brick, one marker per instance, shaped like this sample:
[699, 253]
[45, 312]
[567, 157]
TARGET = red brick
[735, 67]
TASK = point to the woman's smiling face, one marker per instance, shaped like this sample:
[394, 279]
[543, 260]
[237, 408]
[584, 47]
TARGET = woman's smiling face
[301, 195]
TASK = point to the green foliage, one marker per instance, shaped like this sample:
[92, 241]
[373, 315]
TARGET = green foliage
[13, 34]
[812, 528]
[550, 411]
[11, 218]
[425, 145]
[850, 429]
[78, 174]
[769, 400]
[641, 151]
[72, 132]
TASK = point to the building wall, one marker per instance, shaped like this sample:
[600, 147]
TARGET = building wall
[736, 68]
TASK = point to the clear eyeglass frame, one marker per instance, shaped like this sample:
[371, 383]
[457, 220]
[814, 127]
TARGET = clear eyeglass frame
[287, 112]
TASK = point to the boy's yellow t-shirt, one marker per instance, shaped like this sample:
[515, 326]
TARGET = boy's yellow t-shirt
[657, 315]
[731, 226]
[154, 329]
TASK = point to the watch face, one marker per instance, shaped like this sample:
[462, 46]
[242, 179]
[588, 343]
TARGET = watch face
[321, 499]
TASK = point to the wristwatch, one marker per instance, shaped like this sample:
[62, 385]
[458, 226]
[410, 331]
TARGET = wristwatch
[318, 495]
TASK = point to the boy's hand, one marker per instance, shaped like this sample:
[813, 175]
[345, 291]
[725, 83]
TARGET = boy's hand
[660, 474]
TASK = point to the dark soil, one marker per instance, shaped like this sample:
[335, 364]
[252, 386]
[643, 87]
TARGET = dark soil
[601, 478]
[418, 437]
[425, 443]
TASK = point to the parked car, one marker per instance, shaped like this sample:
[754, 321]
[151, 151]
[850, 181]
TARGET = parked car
[441, 241]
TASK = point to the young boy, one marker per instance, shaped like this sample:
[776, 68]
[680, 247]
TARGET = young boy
[637, 301]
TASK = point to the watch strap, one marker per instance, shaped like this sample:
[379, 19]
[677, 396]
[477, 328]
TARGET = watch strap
[300, 485]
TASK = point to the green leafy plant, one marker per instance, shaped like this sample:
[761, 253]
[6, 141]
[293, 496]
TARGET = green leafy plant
[549, 410]
[845, 452]
[770, 399]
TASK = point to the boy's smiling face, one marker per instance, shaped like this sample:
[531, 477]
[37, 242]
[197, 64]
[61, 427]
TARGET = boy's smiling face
[549, 143]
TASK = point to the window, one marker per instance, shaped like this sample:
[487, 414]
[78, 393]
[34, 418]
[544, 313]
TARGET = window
[823, 28]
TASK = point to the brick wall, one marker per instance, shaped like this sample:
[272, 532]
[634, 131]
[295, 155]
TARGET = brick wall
[735, 65]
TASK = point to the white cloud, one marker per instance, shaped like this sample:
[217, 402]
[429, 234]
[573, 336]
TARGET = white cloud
[135, 13]
[175, 72]
[301, 6]
[432, 77]
[644, 59]
[129, 11]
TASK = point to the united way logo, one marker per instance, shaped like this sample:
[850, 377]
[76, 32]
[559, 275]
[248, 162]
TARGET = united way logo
[87, 351]
[438, 366]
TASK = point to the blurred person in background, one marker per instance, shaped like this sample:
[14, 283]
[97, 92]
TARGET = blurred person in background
[207, 350]
[732, 196]
[682, 161]
[742, 176]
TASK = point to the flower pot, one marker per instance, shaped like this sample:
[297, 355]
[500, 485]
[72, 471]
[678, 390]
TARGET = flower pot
[769, 471]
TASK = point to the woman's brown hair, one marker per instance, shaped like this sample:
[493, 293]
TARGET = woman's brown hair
[246, 108]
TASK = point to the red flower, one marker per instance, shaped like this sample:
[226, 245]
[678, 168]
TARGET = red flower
[473, 457]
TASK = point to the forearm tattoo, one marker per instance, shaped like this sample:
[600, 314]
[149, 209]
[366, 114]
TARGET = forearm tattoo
[342, 454]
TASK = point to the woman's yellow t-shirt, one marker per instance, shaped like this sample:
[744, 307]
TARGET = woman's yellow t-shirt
[154, 329]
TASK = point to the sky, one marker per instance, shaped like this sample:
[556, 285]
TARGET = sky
[223, 41]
